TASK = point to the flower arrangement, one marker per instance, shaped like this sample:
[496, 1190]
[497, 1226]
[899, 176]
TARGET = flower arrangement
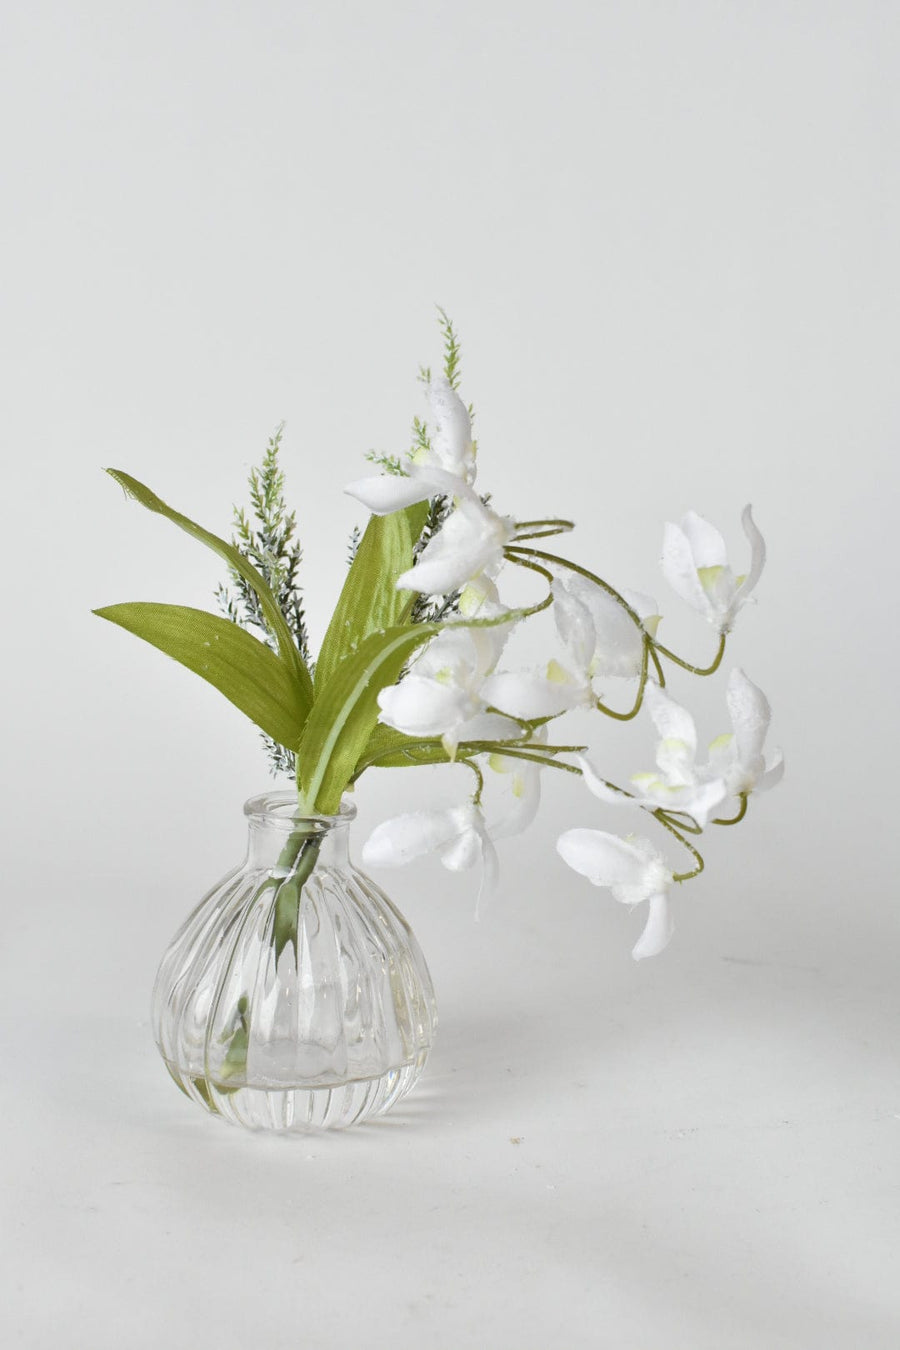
[411, 669]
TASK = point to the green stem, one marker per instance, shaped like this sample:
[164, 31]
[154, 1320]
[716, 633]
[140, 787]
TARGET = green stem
[298, 858]
[639, 698]
[542, 529]
[557, 524]
[677, 818]
[646, 640]
[656, 647]
[695, 670]
[468, 748]
[734, 820]
[660, 815]
[517, 753]
[479, 779]
[582, 572]
[660, 677]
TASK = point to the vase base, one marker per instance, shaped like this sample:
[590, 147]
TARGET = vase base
[300, 1110]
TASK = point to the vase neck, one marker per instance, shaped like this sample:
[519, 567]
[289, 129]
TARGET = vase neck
[279, 834]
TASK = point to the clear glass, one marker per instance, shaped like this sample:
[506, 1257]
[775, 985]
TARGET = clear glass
[295, 997]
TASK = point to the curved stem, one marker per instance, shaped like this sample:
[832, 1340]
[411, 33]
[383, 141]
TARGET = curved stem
[559, 526]
[521, 721]
[542, 529]
[517, 753]
[639, 698]
[468, 748]
[667, 824]
[696, 670]
[646, 640]
[479, 778]
[660, 677]
[632, 613]
[582, 572]
[532, 566]
[734, 820]
[677, 818]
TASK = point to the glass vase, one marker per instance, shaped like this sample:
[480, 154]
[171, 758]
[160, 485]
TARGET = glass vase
[295, 997]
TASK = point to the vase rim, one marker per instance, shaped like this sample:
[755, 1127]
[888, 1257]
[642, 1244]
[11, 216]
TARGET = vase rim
[283, 806]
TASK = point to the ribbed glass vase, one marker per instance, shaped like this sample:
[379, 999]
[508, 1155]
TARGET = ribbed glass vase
[295, 997]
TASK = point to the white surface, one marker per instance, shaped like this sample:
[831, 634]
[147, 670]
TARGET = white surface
[668, 234]
[701, 1155]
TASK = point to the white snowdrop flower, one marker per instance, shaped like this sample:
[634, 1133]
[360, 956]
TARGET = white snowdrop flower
[447, 468]
[443, 693]
[600, 635]
[458, 835]
[523, 797]
[739, 757]
[695, 564]
[633, 870]
[469, 543]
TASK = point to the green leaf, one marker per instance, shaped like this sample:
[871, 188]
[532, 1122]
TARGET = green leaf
[345, 712]
[245, 670]
[370, 601]
[273, 615]
[387, 748]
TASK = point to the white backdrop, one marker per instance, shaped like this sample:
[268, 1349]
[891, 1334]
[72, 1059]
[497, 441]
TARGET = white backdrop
[667, 233]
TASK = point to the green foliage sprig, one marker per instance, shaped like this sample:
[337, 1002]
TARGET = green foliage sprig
[269, 541]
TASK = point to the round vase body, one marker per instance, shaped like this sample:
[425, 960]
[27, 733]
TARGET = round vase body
[295, 997]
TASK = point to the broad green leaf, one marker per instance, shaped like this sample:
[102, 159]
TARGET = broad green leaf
[273, 615]
[346, 710]
[370, 601]
[245, 670]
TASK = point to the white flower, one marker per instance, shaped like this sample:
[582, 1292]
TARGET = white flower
[739, 758]
[633, 870]
[458, 835]
[472, 539]
[446, 468]
[523, 777]
[600, 634]
[530, 695]
[678, 784]
[736, 766]
[452, 447]
[695, 564]
[442, 694]
[469, 543]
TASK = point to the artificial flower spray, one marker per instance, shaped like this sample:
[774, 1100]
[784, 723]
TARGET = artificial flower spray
[296, 997]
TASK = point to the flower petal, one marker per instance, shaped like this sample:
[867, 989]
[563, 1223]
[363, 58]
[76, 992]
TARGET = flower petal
[773, 774]
[680, 571]
[601, 788]
[757, 552]
[750, 717]
[488, 727]
[619, 641]
[528, 696]
[657, 930]
[522, 801]
[672, 721]
[384, 493]
[424, 707]
[574, 623]
[399, 840]
[707, 545]
[452, 441]
[463, 852]
[605, 859]
[471, 541]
